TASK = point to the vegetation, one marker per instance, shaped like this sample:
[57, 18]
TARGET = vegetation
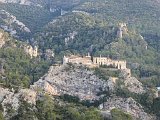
[105, 73]
[120, 115]
[93, 30]
[134, 13]
[48, 109]
[33, 17]
[98, 37]
[17, 68]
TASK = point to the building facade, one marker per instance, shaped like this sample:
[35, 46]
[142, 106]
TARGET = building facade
[95, 62]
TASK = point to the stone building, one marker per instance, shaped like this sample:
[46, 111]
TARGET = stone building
[119, 64]
[97, 61]
[78, 60]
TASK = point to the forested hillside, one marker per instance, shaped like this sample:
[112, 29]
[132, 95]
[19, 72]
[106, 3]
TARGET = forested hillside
[138, 14]
[17, 68]
[81, 33]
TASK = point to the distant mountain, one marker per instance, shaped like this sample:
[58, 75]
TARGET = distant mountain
[32, 17]
[12, 25]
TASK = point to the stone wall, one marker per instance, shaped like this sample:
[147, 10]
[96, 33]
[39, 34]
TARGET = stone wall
[97, 61]
[78, 60]
[109, 62]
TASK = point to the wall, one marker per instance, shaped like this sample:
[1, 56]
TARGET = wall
[97, 61]
[109, 62]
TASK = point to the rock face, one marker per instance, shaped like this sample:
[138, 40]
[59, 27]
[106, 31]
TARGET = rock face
[74, 80]
[122, 30]
[11, 100]
[28, 95]
[24, 2]
[32, 51]
[49, 54]
[2, 40]
[134, 85]
[128, 105]
[131, 83]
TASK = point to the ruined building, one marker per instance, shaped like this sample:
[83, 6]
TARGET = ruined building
[95, 61]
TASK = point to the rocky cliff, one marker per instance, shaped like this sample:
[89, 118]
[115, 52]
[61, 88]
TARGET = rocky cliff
[128, 105]
[2, 39]
[80, 81]
[74, 80]
[11, 100]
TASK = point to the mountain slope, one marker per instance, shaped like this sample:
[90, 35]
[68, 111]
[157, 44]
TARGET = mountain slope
[16, 66]
[32, 16]
[139, 14]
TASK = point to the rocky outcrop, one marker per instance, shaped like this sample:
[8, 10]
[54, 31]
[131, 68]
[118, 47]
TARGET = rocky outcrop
[133, 85]
[122, 29]
[2, 40]
[31, 51]
[70, 37]
[128, 105]
[49, 54]
[11, 24]
[74, 80]
[11, 100]
[28, 95]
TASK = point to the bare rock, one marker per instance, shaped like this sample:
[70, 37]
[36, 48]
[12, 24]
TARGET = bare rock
[77, 81]
[28, 95]
[128, 105]
[134, 85]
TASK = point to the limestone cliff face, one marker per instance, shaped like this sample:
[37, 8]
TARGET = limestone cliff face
[77, 80]
[11, 100]
[73, 80]
[122, 29]
[2, 40]
[128, 105]
[31, 51]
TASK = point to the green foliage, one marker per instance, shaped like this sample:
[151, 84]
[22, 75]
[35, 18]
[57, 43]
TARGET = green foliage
[98, 37]
[70, 98]
[48, 110]
[33, 17]
[133, 13]
[156, 106]
[1, 114]
[105, 73]
[120, 115]
[19, 69]
[25, 112]
[147, 100]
